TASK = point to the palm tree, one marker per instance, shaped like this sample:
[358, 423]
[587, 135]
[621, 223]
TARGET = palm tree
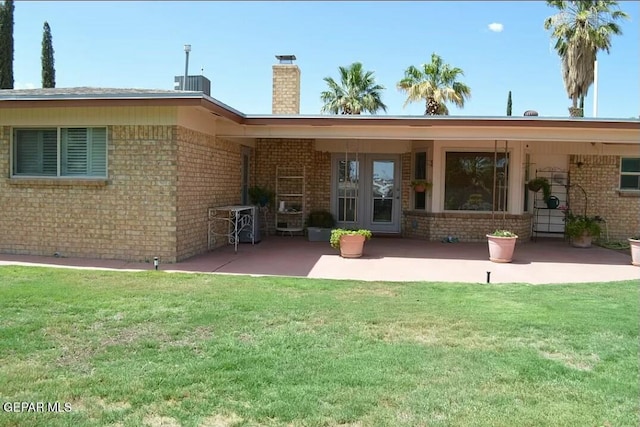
[435, 83]
[357, 92]
[581, 28]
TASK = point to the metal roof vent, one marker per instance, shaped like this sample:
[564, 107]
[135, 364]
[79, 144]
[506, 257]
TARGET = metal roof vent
[286, 59]
[530, 113]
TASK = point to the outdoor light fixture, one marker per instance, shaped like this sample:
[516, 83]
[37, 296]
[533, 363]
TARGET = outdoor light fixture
[155, 262]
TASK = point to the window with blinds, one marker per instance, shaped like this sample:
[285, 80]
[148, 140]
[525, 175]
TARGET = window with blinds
[630, 173]
[80, 152]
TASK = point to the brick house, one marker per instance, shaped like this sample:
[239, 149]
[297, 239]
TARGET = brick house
[130, 174]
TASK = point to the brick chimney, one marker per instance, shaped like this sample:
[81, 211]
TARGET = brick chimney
[286, 86]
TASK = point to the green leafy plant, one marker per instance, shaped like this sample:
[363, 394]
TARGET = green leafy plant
[577, 225]
[321, 218]
[339, 232]
[503, 233]
[538, 184]
[260, 195]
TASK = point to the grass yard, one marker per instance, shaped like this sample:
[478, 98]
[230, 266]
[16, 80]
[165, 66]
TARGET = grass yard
[163, 349]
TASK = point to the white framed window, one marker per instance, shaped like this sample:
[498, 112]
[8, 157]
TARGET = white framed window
[60, 152]
[630, 173]
[419, 173]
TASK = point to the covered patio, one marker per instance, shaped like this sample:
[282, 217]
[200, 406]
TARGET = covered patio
[389, 259]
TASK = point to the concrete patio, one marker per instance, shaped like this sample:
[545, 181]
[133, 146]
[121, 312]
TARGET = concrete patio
[388, 259]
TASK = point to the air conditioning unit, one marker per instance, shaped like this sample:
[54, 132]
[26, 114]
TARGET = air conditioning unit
[194, 83]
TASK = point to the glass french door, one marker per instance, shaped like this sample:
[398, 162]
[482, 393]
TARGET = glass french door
[366, 192]
[348, 190]
[382, 203]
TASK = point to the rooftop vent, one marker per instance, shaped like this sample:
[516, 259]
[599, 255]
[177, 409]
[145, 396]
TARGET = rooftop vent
[286, 59]
[530, 113]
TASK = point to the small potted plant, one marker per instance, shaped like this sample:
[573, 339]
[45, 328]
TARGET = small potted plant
[582, 229]
[634, 243]
[538, 184]
[319, 225]
[420, 185]
[502, 243]
[349, 242]
[260, 196]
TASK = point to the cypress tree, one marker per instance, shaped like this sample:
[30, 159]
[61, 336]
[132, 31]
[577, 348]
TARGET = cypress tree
[6, 45]
[509, 104]
[48, 71]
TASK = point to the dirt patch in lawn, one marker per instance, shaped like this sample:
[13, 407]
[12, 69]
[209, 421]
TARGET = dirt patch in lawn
[157, 421]
[373, 291]
[572, 360]
[221, 421]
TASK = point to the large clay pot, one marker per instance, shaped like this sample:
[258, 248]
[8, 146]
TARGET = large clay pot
[501, 248]
[635, 251]
[583, 241]
[351, 245]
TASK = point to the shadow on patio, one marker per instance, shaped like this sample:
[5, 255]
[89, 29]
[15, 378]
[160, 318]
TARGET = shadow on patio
[388, 259]
[395, 259]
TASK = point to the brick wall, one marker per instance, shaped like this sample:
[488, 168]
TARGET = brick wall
[209, 174]
[131, 216]
[599, 176]
[270, 153]
[406, 180]
[465, 226]
[286, 89]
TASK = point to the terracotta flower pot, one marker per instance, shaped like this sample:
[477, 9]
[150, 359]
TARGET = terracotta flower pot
[582, 241]
[501, 248]
[351, 245]
[419, 188]
[635, 251]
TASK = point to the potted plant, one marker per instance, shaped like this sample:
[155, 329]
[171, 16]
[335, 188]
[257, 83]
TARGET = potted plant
[349, 242]
[502, 243]
[319, 225]
[541, 183]
[261, 196]
[582, 229]
[634, 243]
[420, 185]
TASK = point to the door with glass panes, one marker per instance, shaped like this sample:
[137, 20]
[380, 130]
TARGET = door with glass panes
[366, 191]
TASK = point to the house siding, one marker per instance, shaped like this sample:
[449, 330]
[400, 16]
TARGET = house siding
[130, 216]
[209, 174]
[93, 116]
[599, 176]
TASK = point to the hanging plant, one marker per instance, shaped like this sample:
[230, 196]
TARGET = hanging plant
[420, 185]
[538, 184]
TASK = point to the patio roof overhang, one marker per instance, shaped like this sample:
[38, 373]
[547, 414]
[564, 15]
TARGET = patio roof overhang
[434, 128]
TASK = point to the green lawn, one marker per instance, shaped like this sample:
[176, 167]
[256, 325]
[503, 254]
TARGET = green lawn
[163, 349]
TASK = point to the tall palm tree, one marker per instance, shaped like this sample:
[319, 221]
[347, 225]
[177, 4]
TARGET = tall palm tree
[435, 83]
[580, 29]
[357, 92]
